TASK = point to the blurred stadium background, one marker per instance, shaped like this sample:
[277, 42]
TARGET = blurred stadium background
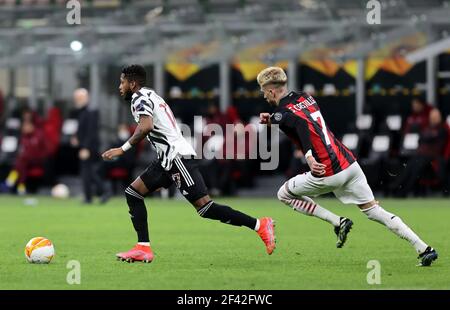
[376, 84]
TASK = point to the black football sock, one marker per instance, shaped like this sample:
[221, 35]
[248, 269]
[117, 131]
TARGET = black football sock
[227, 215]
[138, 213]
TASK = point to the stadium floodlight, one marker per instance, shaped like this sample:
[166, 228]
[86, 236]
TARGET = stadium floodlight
[76, 46]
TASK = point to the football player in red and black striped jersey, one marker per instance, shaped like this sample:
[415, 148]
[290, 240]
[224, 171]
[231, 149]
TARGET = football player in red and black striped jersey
[333, 166]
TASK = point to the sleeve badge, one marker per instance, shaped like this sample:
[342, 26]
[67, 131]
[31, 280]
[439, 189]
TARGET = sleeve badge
[278, 116]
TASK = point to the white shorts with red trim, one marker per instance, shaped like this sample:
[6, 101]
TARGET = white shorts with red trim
[349, 185]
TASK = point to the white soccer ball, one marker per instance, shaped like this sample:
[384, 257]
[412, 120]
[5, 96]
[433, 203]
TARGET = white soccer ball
[60, 191]
[39, 250]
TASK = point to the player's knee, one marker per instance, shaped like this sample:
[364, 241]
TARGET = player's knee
[203, 209]
[132, 194]
[367, 205]
[283, 195]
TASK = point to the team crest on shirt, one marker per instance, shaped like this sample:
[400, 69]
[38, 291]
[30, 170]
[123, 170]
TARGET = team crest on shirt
[278, 116]
[140, 107]
[177, 179]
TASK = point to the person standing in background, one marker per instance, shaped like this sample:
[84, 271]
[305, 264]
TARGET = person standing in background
[88, 141]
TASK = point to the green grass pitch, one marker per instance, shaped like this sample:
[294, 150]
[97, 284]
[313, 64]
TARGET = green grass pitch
[195, 253]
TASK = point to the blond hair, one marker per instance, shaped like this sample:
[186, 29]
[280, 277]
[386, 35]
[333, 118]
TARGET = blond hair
[272, 75]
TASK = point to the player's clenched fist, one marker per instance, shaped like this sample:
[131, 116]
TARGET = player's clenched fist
[264, 118]
[317, 169]
[112, 153]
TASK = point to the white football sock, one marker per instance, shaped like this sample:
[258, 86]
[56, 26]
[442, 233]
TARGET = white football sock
[144, 243]
[396, 225]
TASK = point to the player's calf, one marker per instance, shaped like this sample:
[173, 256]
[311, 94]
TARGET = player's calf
[138, 213]
[398, 227]
[264, 227]
[227, 215]
[306, 205]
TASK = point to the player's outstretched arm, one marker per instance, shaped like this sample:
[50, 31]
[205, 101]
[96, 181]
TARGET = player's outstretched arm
[143, 128]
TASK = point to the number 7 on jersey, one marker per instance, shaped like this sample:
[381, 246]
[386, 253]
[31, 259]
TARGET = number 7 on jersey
[317, 116]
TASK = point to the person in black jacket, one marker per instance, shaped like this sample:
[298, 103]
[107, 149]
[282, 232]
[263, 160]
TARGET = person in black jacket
[87, 139]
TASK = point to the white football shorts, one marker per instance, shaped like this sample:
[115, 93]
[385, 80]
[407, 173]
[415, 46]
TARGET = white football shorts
[349, 185]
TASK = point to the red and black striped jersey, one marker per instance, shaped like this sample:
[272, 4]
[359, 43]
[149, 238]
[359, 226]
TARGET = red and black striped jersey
[298, 116]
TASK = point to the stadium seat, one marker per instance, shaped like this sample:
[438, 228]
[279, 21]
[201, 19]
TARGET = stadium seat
[410, 144]
[12, 126]
[8, 148]
[329, 89]
[351, 140]
[309, 88]
[394, 122]
[393, 126]
[380, 145]
[363, 128]
[378, 157]
[9, 144]
[13, 123]
[364, 122]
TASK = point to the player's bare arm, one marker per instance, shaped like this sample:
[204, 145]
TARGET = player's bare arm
[143, 128]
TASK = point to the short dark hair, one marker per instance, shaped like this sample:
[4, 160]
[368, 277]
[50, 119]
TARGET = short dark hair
[135, 73]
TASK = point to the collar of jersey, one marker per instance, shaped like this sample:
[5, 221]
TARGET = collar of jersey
[286, 99]
[138, 93]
